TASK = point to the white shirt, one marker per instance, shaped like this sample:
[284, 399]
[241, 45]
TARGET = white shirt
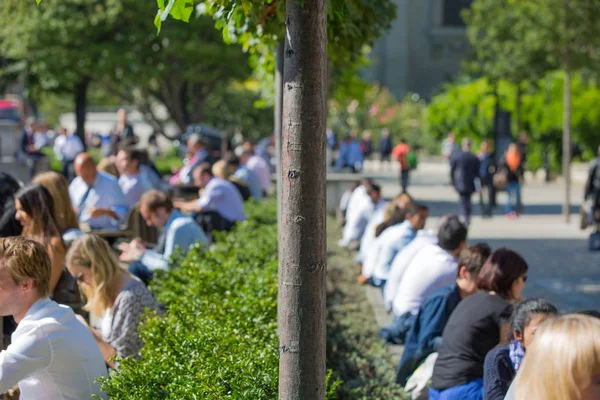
[223, 197]
[368, 237]
[259, 167]
[52, 356]
[431, 269]
[401, 263]
[133, 187]
[105, 193]
[391, 242]
[359, 212]
[67, 147]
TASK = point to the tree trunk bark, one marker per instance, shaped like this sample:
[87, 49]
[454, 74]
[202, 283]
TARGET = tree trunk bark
[278, 123]
[80, 93]
[566, 157]
[302, 240]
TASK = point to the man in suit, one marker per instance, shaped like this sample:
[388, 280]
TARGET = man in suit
[464, 170]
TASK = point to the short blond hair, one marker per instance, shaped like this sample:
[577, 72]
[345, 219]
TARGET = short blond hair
[92, 252]
[26, 259]
[562, 359]
[220, 169]
[59, 190]
[109, 167]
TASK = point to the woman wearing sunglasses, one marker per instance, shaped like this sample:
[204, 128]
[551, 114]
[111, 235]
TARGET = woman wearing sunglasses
[477, 325]
[111, 292]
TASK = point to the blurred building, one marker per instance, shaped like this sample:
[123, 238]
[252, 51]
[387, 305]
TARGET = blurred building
[423, 49]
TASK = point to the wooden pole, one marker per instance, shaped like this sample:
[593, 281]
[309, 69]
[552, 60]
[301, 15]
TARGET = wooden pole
[302, 240]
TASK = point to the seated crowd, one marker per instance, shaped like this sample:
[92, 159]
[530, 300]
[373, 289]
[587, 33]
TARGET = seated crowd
[459, 311]
[62, 258]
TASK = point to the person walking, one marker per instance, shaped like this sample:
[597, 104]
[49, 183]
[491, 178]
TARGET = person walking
[464, 171]
[385, 146]
[400, 153]
[486, 174]
[449, 146]
[513, 168]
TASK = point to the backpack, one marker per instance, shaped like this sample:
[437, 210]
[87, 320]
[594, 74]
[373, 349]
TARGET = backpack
[412, 160]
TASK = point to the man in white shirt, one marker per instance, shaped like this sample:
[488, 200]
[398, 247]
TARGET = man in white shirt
[394, 239]
[404, 258]
[132, 181]
[259, 167]
[365, 200]
[67, 146]
[431, 269]
[96, 196]
[52, 355]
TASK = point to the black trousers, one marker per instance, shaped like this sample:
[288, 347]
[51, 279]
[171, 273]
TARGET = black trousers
[404, 179]
[486, 198]
[211, 221]
[465, 206]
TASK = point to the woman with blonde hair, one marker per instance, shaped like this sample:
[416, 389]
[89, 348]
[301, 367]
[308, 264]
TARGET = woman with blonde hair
[108, 166]
[57, 185]
[563, 362]
[111, 292]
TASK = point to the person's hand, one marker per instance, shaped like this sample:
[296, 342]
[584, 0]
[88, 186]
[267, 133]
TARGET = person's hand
[133, 254]
[137, 242]
[123, 247]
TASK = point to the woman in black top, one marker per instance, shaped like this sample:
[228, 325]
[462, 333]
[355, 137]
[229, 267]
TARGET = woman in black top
[502, 363]
[476, 326]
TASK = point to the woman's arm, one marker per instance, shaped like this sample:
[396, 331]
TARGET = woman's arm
[106, 349]
[57, 252]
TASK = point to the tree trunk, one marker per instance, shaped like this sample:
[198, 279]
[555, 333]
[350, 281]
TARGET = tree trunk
[80, 93]
[518, 107]
[278, 123]
[302, 240]
[566, 157]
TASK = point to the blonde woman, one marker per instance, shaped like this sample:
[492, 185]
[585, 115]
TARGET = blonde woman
[112, 293]
[563, 362]
[108, 166]
[56, 184]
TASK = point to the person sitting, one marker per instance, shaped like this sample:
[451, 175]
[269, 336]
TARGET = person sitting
[96, 196]
[241, 172]
[219, 207]
[393, 240]
[350, 155]
[197, 148]
[344, 202]
[431, 269]
[66, 220]
[502, 363]
[562, 362]
[109, 167]
[35, 212]
[9, 226]
[112, 293]
[425, 334]
[131, 180]
[478, 324]
[403, 259]
[220, 169]
[177, 230]
[397, 217]
[365, 200]
[52, 355]
[259, 167]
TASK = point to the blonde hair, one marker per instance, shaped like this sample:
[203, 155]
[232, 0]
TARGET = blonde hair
[562, 359]
[92, 252]
[105, 165]
[26, 259]
[389, 209]
[220, 169]
[57, 185]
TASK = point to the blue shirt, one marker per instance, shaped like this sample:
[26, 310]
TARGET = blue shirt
[391, 241]
[181, 231]
[104, 193]
[248, 176]
[350, 155]
[425, 335]
[224, 198]
[134, 186]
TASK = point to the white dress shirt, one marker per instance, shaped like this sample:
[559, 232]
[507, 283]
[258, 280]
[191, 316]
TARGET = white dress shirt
[368, 237]
[401, 262]
[391, 242]
[52, 356]
[431, 269]
[133, 187]
[359, 212]
[66, 148]
[223, 197]
[259, 167]
[105, 193]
